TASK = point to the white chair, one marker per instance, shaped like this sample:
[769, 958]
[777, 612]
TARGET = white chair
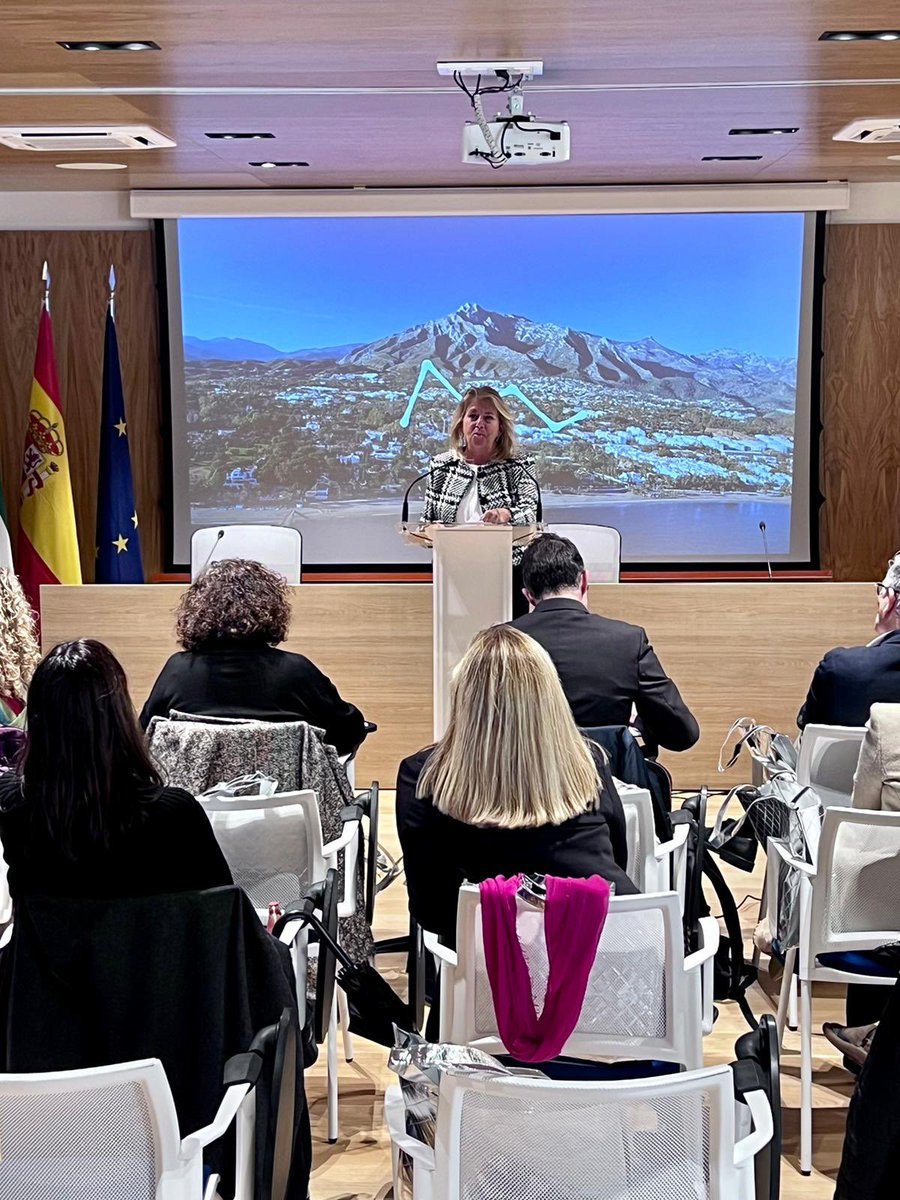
[273, 847]
[827, 761]
[112, 1132]
[275, 546]
[599, 545]
[850, 901]
[505, 1138]
[643, 1000]
[653, 866]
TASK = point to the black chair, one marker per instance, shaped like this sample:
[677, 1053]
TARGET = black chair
[759, 1050]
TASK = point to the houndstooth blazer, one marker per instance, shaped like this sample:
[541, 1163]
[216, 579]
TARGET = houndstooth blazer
[503, 484]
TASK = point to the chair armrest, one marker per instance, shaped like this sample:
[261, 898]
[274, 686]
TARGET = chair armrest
[709, 935]
[231, 1102]
[351, 827]
[677, 840]
[395, 1117]
[797, 864]
[439, 950]
[348, 842]
[763, 1127]
[703, 958]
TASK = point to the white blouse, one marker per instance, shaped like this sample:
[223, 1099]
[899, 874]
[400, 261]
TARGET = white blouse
[470, 511]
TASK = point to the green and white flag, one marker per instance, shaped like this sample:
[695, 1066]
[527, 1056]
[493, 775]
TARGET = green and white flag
[6, 558]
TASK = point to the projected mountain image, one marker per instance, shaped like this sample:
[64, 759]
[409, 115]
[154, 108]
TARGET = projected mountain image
[351, 423]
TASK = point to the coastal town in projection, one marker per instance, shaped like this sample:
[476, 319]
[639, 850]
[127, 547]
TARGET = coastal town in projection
[598, 416]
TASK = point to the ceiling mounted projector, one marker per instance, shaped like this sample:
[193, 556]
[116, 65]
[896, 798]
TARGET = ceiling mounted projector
[522, 141]
[516, 138]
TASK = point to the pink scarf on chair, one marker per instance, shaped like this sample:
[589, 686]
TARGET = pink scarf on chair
[574, 915]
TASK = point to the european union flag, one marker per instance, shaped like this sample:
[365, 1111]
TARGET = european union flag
[118, 540]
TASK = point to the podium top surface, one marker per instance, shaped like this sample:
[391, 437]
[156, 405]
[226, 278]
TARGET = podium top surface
[425, 535]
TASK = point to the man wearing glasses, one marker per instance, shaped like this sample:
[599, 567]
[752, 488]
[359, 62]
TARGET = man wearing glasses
[850, 679]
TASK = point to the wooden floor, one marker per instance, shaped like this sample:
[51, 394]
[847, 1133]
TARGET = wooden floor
[358, 1166]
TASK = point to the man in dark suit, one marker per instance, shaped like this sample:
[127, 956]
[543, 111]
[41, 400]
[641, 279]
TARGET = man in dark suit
[604, 666]
[850, 679]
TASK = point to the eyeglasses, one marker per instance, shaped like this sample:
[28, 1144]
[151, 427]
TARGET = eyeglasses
[882, 589]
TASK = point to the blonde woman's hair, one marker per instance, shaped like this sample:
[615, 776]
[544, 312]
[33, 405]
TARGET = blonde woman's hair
[19, 650]
[507, 443]
[512, 755]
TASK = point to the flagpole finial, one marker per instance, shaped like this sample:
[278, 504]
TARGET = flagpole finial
[112, 290]
[45, 276]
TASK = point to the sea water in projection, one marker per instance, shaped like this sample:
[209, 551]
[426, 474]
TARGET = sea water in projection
[651, 363]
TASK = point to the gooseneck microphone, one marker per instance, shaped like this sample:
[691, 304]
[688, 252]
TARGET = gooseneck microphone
[539, 507]
[212, 550]
[404, 512]
[765, 541]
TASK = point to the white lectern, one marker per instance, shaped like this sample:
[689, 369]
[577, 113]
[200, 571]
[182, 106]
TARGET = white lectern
[472, 589]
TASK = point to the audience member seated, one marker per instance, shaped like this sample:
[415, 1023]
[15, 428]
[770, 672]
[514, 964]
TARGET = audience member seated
[511, 786]
[85, 814]
[605, 666]
[19, 650]
[230, 622]
[850, 679]
[877, 780]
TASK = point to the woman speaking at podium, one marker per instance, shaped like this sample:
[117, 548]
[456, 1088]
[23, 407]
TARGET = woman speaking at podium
[481, 478]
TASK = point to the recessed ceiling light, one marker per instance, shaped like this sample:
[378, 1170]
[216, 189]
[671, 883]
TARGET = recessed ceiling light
[731, 158]
[860, 35]
[755, 132]
[233, 137]
[97, 45]
[269, 165]
[93, 166]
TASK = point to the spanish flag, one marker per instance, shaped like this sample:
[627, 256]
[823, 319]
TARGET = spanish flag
[48, 542]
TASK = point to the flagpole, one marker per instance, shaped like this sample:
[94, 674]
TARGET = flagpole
[45, 276]
[112, 291]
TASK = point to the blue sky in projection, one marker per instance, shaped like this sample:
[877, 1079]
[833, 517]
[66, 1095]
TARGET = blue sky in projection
[694, 282]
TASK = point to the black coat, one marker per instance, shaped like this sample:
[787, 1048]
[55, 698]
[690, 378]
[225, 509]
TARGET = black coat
[849, 680]
[440, 853]
[260, 682]
[188, 978]
[605, 667]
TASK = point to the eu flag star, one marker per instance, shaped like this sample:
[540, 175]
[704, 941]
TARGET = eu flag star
[120, 425]
[120, 543]
[134, 519]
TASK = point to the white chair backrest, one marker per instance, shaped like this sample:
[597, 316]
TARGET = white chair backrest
[855, 900]
[109, 1133]
[275, 546]
[511, 1138]
[599, 545]
[639, 1001]
[642, 868]
[827, 761]
[273, 844]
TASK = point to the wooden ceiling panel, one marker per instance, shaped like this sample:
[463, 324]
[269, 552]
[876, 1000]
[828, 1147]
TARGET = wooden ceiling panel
[645, 88]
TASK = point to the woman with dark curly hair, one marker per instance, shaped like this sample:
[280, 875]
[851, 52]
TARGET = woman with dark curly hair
[230, 621]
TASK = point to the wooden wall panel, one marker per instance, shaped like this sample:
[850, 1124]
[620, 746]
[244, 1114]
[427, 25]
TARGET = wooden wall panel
[860, 445]
[79, 265]
[734, 649]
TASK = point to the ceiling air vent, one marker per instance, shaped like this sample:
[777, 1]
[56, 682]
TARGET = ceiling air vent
[870, 131]
[77, 138]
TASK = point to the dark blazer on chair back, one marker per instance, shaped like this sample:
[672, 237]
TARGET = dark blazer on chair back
[188, 978]
[850, 679]
[605, 666]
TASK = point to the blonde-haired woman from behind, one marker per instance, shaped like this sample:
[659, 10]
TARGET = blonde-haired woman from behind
[19, 649]
[512, 786]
